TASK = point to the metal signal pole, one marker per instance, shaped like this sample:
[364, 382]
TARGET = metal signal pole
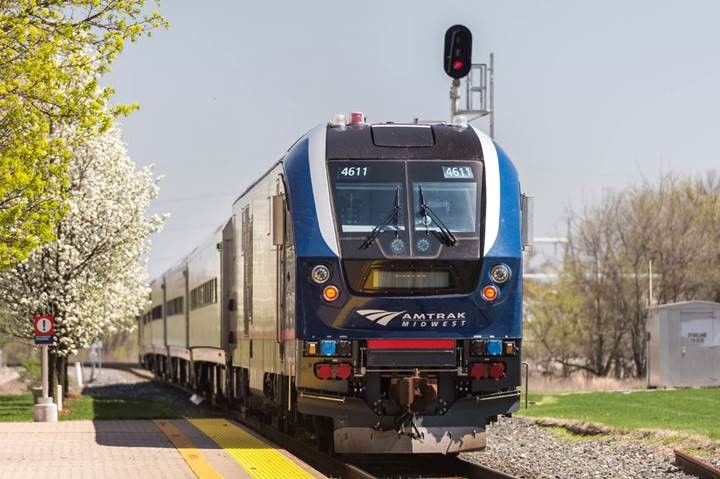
[479, 95]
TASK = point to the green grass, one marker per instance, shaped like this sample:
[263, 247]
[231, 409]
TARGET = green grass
[693, 411]
[20, 408]
[17, 407]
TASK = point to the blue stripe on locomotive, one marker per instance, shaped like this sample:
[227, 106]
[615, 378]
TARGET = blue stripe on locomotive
[317, 319]
[508, 243]
[309, 241]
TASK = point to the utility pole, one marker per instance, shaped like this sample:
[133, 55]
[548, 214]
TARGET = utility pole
[650, 285]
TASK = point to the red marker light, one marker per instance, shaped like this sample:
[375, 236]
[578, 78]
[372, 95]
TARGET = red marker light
[497, 371]
[323, 371]
[344, 370]
[478, 371]
[356, 117]
[458, 64]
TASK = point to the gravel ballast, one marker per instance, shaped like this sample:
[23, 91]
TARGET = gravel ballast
[525, 450]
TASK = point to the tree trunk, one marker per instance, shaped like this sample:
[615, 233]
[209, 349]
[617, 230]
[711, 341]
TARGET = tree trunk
[66, 382]
[57, 373]
[52, 376]
[61, 363]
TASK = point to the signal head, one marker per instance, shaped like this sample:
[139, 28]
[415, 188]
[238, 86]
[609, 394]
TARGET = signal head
[458, 51]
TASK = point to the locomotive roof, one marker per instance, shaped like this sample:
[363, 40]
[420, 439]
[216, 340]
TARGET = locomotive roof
[399, 141]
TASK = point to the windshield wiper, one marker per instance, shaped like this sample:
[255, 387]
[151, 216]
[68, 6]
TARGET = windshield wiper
[393, 217]
[429, 216]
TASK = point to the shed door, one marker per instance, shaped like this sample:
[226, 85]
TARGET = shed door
[698, 348]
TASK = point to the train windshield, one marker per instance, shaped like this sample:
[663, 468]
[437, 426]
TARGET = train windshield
[366, 196]
[453, 204]
[407, 209]
[445, 196]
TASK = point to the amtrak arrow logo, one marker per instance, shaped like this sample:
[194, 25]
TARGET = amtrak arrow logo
[379, 316]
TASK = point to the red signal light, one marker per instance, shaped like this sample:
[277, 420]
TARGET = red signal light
[457, 59]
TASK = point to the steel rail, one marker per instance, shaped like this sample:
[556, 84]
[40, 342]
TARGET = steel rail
[467, 469]
[478, 471]
[696, 467]
[425, 465]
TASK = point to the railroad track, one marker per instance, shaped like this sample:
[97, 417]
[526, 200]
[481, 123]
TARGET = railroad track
[696, 467]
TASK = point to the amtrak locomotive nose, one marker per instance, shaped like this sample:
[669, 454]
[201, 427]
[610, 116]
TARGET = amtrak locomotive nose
[370, 282]
[417, 227]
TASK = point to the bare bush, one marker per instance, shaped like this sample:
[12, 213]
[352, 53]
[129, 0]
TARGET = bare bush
[593, 317]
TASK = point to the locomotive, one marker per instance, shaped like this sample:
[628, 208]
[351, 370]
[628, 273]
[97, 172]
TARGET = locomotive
[369, 283]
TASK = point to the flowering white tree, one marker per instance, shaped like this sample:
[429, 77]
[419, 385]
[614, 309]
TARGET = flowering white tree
[93, 277]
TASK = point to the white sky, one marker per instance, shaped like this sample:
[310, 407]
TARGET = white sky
[590, 95]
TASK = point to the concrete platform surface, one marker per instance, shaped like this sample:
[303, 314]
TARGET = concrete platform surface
[87, 449]
[137, 450]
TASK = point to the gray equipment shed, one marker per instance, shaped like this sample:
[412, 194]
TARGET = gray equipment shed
[684, 345]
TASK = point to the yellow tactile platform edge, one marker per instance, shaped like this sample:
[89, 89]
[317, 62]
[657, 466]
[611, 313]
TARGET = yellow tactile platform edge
[258, 458]
[193, 457]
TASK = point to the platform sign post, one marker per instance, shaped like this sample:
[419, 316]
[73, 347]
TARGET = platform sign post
[45, 409]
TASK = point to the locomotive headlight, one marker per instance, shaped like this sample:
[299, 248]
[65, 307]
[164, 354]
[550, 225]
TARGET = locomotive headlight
[500, 273]
[344, 348]
[477, 347]
[320, 274]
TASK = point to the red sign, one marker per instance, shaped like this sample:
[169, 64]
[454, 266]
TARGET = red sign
[44, 328]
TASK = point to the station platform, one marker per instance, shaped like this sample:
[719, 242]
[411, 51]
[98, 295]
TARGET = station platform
[134, 449]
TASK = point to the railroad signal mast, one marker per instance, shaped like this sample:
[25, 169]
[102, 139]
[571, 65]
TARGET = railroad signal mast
[479, 79]
[479, 99]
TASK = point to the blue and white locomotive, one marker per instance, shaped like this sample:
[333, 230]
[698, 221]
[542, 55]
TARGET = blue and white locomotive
[370, 281]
